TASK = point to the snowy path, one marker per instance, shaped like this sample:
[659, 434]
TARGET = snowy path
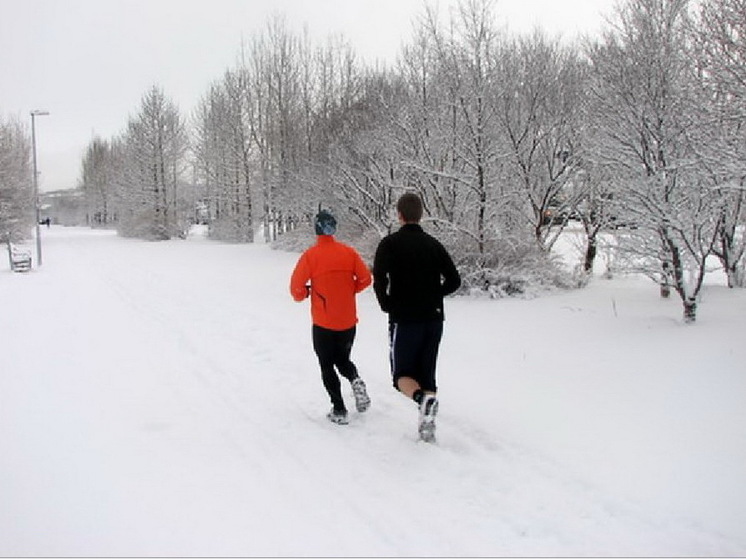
[162, 399]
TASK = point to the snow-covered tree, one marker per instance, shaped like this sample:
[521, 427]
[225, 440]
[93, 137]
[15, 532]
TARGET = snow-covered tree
[223, 153]
[721, 27]
[275, 120]
[650, 93]
[339, 108]
[363, 169]
[462, 165]
[460, 82]
[541, 115]
[151, 200]
[98, 183]
[16, 186]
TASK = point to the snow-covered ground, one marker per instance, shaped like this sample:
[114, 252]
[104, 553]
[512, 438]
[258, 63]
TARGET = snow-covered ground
[163, 399]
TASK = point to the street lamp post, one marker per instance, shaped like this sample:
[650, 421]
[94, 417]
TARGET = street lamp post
[34, 114]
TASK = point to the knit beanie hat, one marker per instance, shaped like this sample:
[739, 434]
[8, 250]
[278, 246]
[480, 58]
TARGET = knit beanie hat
[325, 223]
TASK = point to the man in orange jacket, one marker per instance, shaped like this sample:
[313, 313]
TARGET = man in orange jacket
[331, 274]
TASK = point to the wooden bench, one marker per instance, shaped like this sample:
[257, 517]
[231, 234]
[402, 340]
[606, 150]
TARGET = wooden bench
[20, 258]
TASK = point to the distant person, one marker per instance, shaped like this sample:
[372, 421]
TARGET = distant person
[332, 274]
[412, 273]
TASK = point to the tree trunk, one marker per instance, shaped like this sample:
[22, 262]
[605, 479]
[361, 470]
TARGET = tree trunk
[690, 310]
[590, 255]
[736, 275]
[740, 276]
[665, 282]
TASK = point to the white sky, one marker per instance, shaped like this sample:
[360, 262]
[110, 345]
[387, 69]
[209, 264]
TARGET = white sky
[88, 62]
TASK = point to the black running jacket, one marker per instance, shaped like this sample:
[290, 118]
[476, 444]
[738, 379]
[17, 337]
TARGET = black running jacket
[412, 272]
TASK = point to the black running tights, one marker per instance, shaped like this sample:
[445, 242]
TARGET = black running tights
[333, 350]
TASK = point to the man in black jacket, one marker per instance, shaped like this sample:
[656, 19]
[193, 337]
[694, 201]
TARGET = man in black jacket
[412, 272]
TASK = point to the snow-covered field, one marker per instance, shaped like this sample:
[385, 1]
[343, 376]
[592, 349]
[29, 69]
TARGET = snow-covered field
[163, 399]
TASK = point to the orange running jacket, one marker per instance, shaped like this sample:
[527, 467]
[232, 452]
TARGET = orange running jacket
[336, 274]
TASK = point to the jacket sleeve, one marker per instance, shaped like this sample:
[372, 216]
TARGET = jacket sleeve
[362, 275]
[299, 279]
[381, 276]
[451, 277]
